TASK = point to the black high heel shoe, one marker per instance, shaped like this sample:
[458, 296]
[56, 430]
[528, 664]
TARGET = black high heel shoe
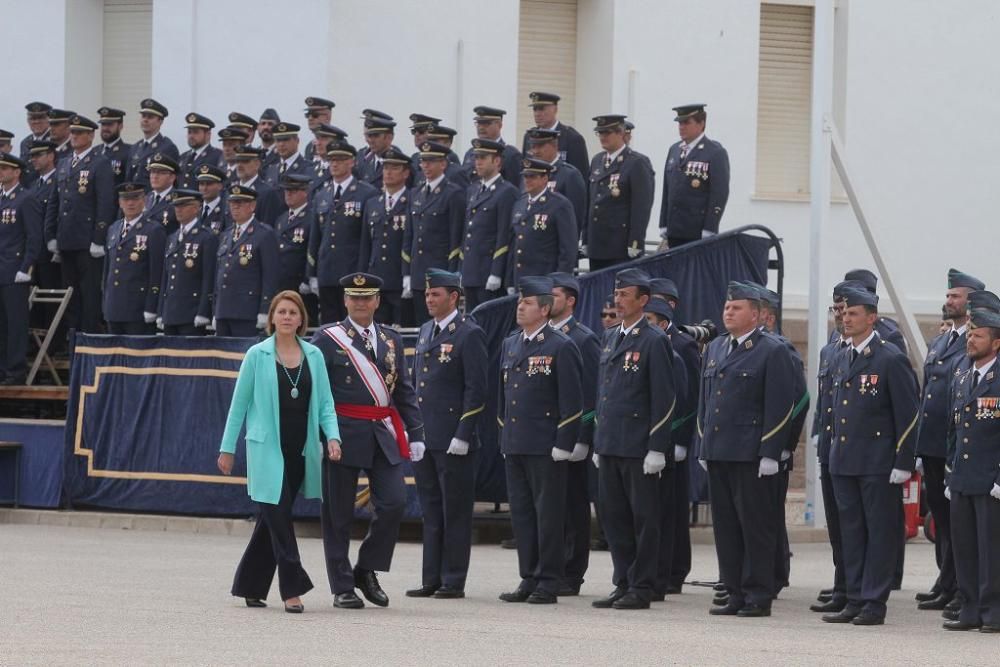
[255, 602]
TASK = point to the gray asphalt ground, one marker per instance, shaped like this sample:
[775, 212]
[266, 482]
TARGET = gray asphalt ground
[84, 596]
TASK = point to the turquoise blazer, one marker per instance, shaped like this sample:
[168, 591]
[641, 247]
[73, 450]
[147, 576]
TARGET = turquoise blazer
[256, 400]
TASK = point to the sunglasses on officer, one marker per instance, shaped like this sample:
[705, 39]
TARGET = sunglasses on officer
[608, 314]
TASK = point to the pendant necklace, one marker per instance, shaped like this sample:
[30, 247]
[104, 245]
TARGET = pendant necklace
[295, 389]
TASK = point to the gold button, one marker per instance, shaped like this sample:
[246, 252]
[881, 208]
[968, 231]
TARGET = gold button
[843, 438]
[845, 401]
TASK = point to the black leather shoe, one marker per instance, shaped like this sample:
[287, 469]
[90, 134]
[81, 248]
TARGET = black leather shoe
[924, 597]
[367, 583]
[510, 543]
[831, 607]
[728, 610]
[542, 597]
[954, 605]
[960, 625]
[609, 601]
[824, 597]
[935, 604]
[568, 589]
[720, 602]
[753, 611]
[630, 601]
[846, 615]
[422, 592]
[868, 618]
[989, 627]
[294, 608]
[348, 600]
[447, 592]
[254, 602]
[950, 615]
[718, 595]
[519, 595]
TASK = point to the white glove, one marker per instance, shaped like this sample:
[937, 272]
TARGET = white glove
[596, 458]
[22, 277]
[212, 326]
[511, 291]
[417, 449]
[314, 286]
[995, 491]
[261, 320]
[580, 452]
[458, 447]
[919, 465]
[493, 283]
[56, 258]
[96, 251]
[159, 323]
[200, 321]
[947, 492]
[634, 252]
[767, 467]
[680, 453]
[898, 476]
[407, 287]
[304, 289]
[583, 248]
[785, 455]
[815, 440]
[705, 233]
[560, 454]
[149, 317]
[53, 246]
[654, 463]
[704, 464]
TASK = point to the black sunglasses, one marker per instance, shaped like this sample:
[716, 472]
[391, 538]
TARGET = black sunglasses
[607, 316]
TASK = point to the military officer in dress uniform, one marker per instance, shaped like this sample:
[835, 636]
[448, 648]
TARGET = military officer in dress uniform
[318, 111]
[113, 148]
[232, 138]
[6, 141]
[188, 269]
[59, 120]
[162, 178]
[449, 374]
[944, 354]
[695, 181]
[247, 124]
[621, 197]
[433, 239]
[874, 422]
[214, 214]
[151, 115]
[76, 228]
[293, 227]
[269, 201]
[20, 246]
[422, 124]
[489, 125]
[565, 292]
[539, 408]
[379, 133]
[320, 167]
[38, 130]
[565, 178]
[246, 272]
[47, 273]
[380, 425]
[335, 239]
[636, 404]
[290, 161]
[201, 151]
[385, 223]
[886, 327]
[265, 129]
[488, 215]
[133, 268]
[744, 413]
[974, 482]
[543, 236]
[571, 148]
[454, 171]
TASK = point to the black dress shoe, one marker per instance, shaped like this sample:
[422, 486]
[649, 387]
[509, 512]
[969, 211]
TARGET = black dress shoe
[824, 597]
[348, 600]
[447, 592]
[367, 583]
[720, 602]
[728, 610]
[542, 597]
[929, 595]
[510, 543]
[935, 604]
[753, 611]
[868, 618]
[294, 608]
[719, 587]
[422, 592]
[254, 602]
[609, 601]
[568, 590]
[718, 595]
[955, 604]
[989, 627]
[960, 625]
[630, 601]
[831, 607]
[950, 615]
[519, 595]
[846, 615]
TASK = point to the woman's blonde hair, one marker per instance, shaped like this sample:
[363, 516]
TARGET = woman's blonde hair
[288, 295]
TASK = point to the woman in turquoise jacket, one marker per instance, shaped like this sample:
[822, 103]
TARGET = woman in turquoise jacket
[283, 393]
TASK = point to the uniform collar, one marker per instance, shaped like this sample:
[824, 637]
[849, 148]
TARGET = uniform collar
[985, 369]
[47, 176]
[612, 156]
[361, 330]
[624, 331]
[560, 325]
[436, 182]
[290, 161]
[861, 348]
[249, 184]
[111, 144]
[960, 330]
[530, 337]
[84, 154]
[292, 213]
[694, 143]
[496, 177]
[344, 184]
[447, 320]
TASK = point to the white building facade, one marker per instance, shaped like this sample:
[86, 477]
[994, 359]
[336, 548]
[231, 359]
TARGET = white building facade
[914, 93]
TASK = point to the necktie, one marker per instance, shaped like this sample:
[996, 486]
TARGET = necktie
[844, 344]
[282, 169]
[205, 211]
[75, 161]
[733, 344]
[952, 338]
[607, 161]
[854, 355]
[156, 199]
[684, 151]
[437, 330]
[482, 188]
[427, 190]
[336, 194]
[975, 379]
[621, 337]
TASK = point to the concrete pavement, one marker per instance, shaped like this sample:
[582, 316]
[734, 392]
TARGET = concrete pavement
[98, 596]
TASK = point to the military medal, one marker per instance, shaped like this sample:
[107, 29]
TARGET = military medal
[246, 253]
[613, 185]
[445, 355]
[134, 257]
[695, 183]
[83, 180]
[541, 220]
